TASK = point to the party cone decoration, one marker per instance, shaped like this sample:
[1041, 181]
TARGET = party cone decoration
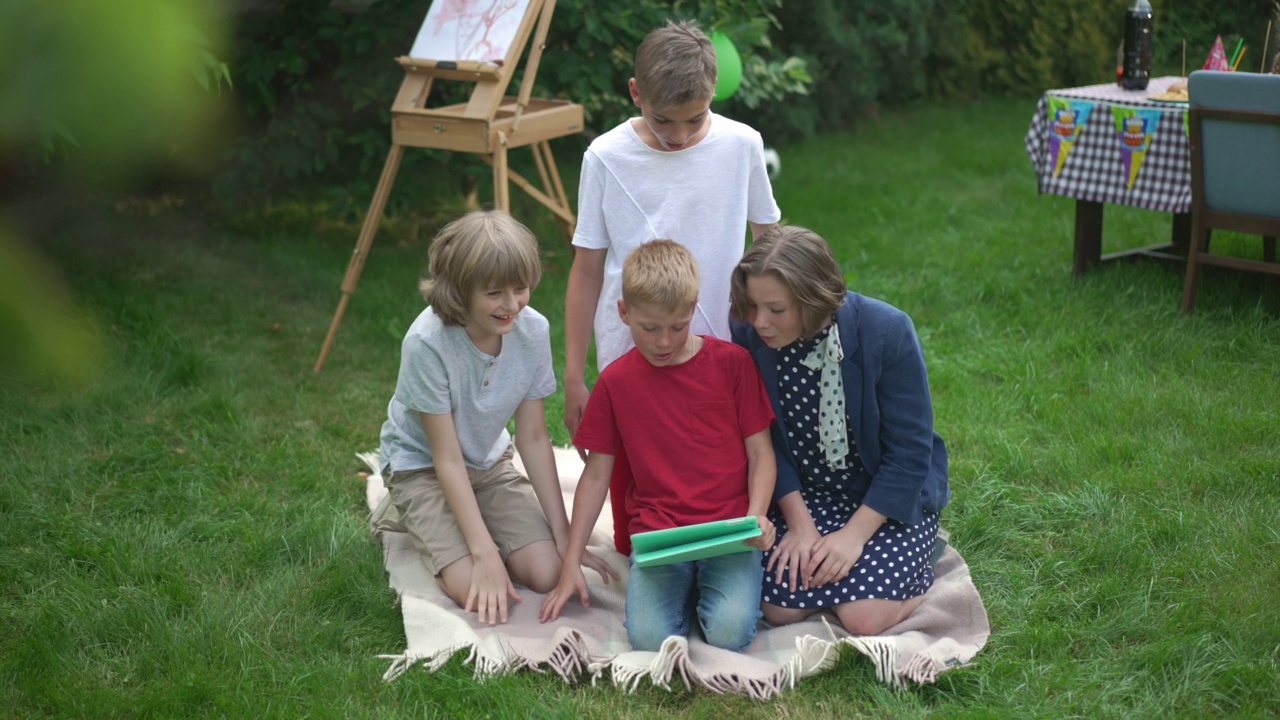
[1064, 149]
[1133, 137]
[1068, 118]
[1217, 59]
[1135, 164]
[1134, 128]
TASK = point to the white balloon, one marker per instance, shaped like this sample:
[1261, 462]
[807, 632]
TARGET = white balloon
[772, 162]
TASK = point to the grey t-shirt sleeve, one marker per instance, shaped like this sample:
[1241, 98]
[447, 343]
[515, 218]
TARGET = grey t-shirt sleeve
[423, 385]
[544, 376]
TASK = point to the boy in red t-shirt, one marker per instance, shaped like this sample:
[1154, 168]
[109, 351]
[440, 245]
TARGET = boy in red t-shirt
[692, 416]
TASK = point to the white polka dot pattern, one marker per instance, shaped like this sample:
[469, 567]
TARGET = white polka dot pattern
[895, 561]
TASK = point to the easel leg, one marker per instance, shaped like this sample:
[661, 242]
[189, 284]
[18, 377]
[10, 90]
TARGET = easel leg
[501, 193]
[371, 221]
[541, 165]
[556, 189]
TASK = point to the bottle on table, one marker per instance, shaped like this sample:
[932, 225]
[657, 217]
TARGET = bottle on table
[1137, 46]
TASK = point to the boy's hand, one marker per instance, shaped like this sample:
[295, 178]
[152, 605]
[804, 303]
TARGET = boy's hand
[768, 533]
[794, 556]
[571, 581]
[491, 588]
[575, 403]
[591, 560]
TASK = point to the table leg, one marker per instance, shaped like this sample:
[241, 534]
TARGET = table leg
[1088, 246]
[1181, 232]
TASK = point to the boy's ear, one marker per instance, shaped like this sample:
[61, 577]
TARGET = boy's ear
[634, 90]
[622, 311]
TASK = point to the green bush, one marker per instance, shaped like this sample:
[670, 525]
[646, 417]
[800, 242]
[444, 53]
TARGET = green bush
[315, 85]
[1027, 46]
[1200, 22]
[859, 53]
[1021, 47]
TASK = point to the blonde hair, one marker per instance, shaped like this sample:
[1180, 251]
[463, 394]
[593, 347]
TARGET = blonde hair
[803, 263]
[482, 249]
[675, 65]
[662, 274]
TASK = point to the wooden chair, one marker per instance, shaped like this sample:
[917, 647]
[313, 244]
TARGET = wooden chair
[1234, 125]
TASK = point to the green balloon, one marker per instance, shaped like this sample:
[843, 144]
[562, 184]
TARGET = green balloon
[728, 66]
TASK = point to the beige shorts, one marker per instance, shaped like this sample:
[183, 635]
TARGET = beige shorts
[416, 504]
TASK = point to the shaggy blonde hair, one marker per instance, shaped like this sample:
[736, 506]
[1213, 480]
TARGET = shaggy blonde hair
[480, 250]
[803, 263]
[675, 65]
[661, 274]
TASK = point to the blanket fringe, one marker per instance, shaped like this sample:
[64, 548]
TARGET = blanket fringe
[370, 459]
[813, 655]
[884, 655]
[400, 664]
[485, 666]
[569, 657]
[921, 668]
[672, 658]
[759, 689]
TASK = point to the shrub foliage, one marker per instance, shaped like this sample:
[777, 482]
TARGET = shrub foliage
[314, 83]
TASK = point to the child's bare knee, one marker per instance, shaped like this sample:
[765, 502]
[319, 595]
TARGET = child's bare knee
[864, 624]
[536, 566]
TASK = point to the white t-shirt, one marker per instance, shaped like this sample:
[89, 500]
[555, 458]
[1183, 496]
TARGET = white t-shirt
[702, 197]
[442, 371]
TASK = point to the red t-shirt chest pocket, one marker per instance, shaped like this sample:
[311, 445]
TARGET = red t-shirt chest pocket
[712, 423]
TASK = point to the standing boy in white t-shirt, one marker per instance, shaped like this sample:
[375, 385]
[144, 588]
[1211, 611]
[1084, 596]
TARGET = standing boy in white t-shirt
[678, 171]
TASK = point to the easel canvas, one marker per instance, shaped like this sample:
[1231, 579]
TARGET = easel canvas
[480, 31]
[480, 42]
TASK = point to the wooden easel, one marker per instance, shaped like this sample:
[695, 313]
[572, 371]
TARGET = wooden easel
[488, 124]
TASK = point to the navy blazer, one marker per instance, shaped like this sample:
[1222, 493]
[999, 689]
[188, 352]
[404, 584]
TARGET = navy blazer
[887, 397]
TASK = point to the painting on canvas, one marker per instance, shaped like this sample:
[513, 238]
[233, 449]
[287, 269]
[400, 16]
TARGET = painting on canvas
[479, 30]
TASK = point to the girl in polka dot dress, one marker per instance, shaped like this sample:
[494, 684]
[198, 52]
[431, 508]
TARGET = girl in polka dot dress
[862, 475]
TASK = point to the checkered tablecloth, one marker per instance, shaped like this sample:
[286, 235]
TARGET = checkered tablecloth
[1094, 169]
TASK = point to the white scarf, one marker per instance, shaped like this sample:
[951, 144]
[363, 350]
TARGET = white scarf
[833, 435]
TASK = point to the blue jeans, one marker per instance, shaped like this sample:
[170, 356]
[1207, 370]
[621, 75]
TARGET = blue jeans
[726, 589]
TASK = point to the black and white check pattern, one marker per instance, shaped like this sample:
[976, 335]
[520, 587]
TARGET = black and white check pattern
[1095, 167]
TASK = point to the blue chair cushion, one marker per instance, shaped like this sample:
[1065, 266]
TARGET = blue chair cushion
[1241, 160]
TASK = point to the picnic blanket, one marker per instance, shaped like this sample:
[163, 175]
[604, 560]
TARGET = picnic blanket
[946, 631]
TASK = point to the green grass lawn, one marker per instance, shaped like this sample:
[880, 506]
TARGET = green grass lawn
[185, 536]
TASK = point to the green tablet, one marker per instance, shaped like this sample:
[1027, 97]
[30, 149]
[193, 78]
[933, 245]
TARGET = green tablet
[694, 542]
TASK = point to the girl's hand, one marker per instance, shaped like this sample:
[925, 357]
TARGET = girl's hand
[491, 588]
[768, 533]
[593, 561]
[794, 557]
[833, 556]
